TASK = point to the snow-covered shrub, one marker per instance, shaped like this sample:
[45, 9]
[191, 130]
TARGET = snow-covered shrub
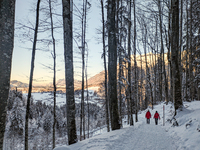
[48, 122]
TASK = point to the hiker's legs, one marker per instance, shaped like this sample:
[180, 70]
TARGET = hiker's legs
[148, 121]
[156, 121]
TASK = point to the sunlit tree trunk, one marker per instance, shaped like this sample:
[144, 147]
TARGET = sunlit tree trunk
[88, 107]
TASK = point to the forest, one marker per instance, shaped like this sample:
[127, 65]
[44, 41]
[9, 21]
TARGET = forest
[150, 51]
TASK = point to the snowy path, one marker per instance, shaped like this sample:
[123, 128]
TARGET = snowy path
[143, 137]
[146, 137]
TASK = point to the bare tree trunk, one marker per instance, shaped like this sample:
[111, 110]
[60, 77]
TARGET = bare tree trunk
[155, 68]
[169, 52]
[7, 19]
[147, 67]
[69, 73]
[82, 120]
[175, 55]
[135, 62]
[105, 67]
[112, 65]
[54, 73]
[162, 51]
[31, 76]
[181, 43]
[129, 64]
[118, 23]
[186, 63]
[141, 83]
[87, 98]
[191, 55]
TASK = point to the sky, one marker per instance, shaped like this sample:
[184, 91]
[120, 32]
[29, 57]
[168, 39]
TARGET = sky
[21, 60]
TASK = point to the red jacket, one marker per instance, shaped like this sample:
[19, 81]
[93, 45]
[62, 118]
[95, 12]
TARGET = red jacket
[148, 115]
[156, 115]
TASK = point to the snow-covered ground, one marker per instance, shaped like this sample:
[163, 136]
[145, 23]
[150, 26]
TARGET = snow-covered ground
[61, 97]
[144, 136]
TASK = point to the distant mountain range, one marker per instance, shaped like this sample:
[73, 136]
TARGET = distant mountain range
[94, 81]
[15, 83]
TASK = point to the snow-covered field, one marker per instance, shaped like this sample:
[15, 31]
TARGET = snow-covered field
[144, 136]
[61, 98]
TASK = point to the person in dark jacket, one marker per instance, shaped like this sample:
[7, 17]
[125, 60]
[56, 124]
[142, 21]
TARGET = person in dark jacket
[148, 116]
[156, 117]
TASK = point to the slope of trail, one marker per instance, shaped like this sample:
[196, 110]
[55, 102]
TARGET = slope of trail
[146, 137]
[142, 137]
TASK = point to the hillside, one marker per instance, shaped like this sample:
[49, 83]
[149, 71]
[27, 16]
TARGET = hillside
[15, 83]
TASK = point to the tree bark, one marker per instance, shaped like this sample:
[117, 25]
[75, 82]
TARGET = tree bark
[112, 65]
[69, 73]
[54, 72]
[105, 67]
[135, 63]
[175, 55]
[129, 64]
[7, 17]
[191, 54]
[162, 51]
[31, 75]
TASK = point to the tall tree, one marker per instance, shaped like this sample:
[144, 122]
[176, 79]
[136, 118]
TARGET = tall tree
[135, 62]
[187, 46]
[54, 71]
[31, 75]
[105, 66]
[7, 17]
[175, 55]
[69, 73]
[82, 116]
[191, 52]
[162, 50]
[112, 65]
[129, 93]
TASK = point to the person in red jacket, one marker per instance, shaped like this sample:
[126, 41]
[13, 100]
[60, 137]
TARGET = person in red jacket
[148, 116]
[156, 116]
